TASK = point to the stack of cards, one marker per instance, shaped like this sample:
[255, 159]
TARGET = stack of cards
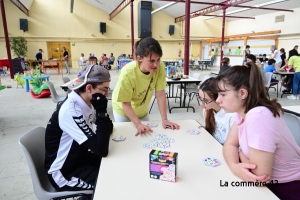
[193, 132]
[212, 162]
[118, 138]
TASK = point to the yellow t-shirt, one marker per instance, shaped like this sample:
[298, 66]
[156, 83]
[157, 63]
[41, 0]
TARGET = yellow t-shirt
[295, 62]
[136, 87]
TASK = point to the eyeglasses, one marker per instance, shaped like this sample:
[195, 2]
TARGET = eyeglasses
[205, 102]
[104, 90]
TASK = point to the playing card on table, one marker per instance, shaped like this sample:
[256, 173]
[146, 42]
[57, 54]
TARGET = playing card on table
[152, 125]
[212, 162]
[193, 132]
[118, 138]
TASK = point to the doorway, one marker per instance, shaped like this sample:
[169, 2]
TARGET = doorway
[55, 51]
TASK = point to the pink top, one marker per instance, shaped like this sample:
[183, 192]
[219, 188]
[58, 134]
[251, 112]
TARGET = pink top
[260, 130]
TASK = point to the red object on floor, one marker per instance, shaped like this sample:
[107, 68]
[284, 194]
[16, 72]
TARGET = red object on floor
[43, 94]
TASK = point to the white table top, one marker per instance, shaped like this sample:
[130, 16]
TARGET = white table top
[293, 108]
[285, 73]
[124, 173]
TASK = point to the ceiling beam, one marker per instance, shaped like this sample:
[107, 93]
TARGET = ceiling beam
[262, 8]
[20, 6]
[214, 8]
[243, 36]
[239, 17]
[119, 8]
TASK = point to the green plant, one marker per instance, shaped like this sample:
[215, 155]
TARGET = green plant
[19, 46]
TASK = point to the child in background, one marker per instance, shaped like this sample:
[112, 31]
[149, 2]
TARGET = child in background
[272, 68]
[217, 122]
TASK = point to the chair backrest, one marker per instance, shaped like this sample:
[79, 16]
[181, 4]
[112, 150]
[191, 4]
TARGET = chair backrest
[65, 79]
[33, 145]
[55, 97]
[204, 79]
[293, 123]
[196, 75]
[267, 79]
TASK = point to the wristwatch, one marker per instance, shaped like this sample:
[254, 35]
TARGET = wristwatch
[102, 115]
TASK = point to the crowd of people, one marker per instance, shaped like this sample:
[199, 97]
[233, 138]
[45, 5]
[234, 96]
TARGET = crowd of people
[236, 109]
[277, 62]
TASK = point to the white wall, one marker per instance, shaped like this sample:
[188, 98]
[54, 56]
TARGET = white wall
[290, 28]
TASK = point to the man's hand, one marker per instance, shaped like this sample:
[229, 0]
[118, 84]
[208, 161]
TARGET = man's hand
[142, 128]
[242, 170]
[99, 102]
[173, 126]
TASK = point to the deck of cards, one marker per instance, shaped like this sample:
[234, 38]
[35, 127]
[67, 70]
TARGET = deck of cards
[193, 131]
[212, 162]
[118, 138]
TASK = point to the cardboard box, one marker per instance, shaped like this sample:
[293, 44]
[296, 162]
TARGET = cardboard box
[163, 165]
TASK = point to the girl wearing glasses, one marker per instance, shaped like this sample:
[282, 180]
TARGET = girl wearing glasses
[217, 122]
[268, 151]
[137, 82]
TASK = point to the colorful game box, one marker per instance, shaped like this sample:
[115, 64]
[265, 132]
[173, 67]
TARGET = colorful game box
[170, 70]
[163, 165]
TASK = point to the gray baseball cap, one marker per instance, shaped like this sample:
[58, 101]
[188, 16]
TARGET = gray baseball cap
[90, 74]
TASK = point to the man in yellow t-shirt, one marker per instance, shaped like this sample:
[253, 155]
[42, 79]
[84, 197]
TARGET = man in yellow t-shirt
[294, 62]
[136, 85]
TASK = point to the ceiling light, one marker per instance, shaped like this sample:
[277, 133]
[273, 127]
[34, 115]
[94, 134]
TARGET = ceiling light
[163, 7]
[244, 9]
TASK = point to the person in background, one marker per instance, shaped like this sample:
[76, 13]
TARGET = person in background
[283, 57]
[66, 59]
[252, 58]
[287, 80]
[111, 59]
[212, 57]
[39, 57]
[293, 52]
[73, 149]
[82, 60]
[217, 122]
[272, 68]
[259, 146]
[225, 64]
[217, 52]
[128, 57]
[264, 59]
[229, 52]
[92, 58]
[246, 52]
[136, 85]
[238, 51]
[294, 62]
[276, 55]
[104, 58]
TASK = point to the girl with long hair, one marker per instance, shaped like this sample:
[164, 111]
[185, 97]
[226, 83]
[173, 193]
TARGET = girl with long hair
[217, 122]
[268, 151]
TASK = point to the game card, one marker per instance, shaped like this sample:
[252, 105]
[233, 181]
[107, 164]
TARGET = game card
[212, 162]
[193, 131]
[118, 138]
[151, 125]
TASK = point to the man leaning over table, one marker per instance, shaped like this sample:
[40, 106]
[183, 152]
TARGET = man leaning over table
[73, 149]
[136, 85]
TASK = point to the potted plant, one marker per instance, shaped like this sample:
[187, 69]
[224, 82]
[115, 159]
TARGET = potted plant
[19, 46]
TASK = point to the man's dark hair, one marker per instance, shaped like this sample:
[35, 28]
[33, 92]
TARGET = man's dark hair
[265, 55]
[271, 61]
